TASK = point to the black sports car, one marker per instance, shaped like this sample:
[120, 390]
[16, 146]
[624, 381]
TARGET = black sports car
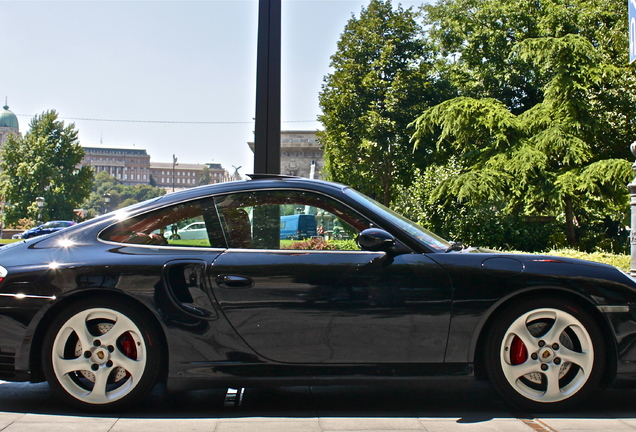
[106, 309]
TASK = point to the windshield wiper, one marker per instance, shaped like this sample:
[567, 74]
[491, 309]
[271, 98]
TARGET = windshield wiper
[455, 246]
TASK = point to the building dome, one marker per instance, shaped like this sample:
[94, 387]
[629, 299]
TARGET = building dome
[8, 119]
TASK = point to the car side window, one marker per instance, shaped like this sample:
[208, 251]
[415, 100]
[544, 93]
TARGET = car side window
[288, 220]
[191, 224]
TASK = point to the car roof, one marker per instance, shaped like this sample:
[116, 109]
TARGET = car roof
[259, 181]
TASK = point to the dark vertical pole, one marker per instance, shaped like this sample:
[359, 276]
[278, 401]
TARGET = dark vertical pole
[267, 129]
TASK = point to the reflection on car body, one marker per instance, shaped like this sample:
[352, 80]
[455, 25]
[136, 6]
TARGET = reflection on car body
[197, 288]
[46, 228]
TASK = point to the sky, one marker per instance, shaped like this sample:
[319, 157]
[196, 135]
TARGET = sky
[171, 77]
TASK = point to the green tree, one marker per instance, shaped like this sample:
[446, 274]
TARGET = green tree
[547, 160]
[475, 41]
[205, 177]
[378, 86]
[479, 46]
[483, 223]
[120, 195]
[44, 163]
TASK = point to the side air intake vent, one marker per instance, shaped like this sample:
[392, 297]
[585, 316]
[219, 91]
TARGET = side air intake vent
[7, 366]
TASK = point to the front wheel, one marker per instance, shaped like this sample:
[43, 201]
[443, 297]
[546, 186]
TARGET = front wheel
[101, 354]
[545, 354]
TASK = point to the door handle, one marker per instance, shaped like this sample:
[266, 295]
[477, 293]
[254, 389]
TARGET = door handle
[233, 281]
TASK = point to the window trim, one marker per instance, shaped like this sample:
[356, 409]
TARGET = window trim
[345, 206]
[210, 209]
[214, 197]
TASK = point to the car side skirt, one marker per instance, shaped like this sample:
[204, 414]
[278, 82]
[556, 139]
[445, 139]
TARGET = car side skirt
[220, 374]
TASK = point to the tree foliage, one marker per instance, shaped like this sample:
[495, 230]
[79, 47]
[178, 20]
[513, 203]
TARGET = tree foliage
[205, 178]
[528, 103]
[476, 39]
[548, 160]
[378, 85]
[120, 195]
[479, 223]
[44, 163]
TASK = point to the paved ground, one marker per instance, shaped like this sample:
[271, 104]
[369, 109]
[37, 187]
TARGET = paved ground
[435, 406]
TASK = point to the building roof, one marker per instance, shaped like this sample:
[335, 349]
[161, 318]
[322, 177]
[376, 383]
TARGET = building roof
[115, 150]
[179, 166]
[8, 119]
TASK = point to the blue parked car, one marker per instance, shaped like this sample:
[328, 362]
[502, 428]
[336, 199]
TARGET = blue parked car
[47, 228]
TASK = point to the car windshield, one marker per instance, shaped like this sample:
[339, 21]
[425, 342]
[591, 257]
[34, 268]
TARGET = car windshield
[432, 241]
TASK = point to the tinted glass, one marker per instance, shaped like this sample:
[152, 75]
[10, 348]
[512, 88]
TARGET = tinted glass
[288, 220]
[431, 240]
[191, 224]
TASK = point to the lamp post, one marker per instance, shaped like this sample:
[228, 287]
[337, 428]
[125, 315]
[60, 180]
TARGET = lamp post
[174, 164]
[41, 202]
[2, 204]
[106, 201]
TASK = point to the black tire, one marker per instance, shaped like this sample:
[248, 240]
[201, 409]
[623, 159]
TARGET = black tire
[545, 355]
[101, 354]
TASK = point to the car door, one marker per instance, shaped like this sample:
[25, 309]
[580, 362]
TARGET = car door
[175, 267]
[293, 302]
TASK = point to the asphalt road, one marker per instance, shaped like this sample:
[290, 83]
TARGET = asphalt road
[434, 406]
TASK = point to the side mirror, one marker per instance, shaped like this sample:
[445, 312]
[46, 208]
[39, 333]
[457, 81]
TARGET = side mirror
[376, 240]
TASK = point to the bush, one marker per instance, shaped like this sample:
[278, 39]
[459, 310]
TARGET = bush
[321, 244]
[345, 244]
[311, 244]
[622, 261]
[495, 225]
[24, 224]
[485, 225]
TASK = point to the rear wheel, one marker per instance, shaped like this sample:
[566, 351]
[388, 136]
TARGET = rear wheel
[101, 354]
[545, 354]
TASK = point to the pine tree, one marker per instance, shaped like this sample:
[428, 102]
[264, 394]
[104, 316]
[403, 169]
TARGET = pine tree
[546, 160]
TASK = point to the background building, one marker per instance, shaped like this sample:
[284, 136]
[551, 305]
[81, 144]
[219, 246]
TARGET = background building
[130, 166]
[182, 175]
[133, 167]
[298, 149]
[8, 124]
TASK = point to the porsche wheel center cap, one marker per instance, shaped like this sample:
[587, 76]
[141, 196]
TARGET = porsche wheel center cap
[100, 356]
[546, 355]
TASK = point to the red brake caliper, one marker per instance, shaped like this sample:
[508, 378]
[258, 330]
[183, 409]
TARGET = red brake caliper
[518, 352]
[128, 347]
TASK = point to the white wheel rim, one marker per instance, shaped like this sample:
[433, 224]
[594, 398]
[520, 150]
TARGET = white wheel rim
[93, 373]
[552, 371]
